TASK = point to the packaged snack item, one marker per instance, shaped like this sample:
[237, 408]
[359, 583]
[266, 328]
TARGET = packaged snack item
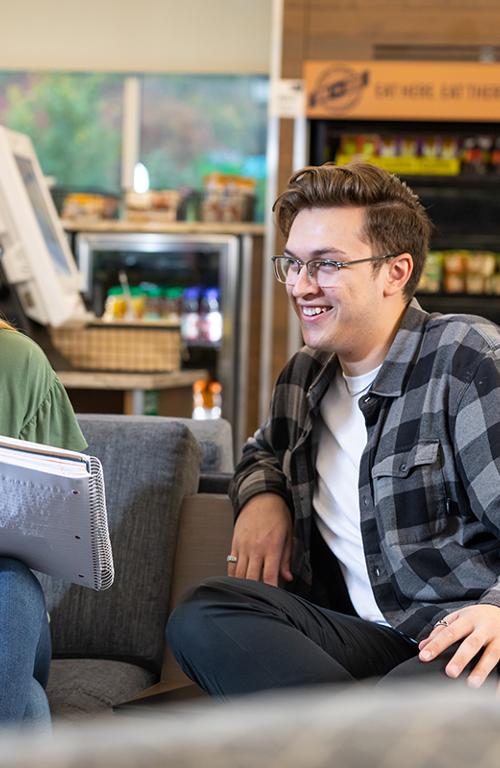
[432, 275]
[454, 271]
[449, 148]
[480, 266]
[89, 207]
[155, 205]
[473, 157]
[431, 146]
[387, 146]
[408, 146]
[227, 198]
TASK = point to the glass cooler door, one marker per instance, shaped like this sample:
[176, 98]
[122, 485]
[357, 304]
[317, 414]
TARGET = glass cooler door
[204, 268]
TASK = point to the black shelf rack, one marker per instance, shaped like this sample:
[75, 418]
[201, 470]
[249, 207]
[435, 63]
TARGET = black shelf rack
[484, 305]
[465, 208]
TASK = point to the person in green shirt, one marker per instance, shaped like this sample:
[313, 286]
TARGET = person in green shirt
[35, 407]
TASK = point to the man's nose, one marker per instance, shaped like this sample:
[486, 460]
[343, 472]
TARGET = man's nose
[305, 283]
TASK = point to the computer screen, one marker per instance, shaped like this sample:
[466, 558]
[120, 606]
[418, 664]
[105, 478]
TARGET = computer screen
[35, 253]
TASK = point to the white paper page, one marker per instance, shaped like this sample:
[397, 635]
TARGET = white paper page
[41, 448]
[41, 463]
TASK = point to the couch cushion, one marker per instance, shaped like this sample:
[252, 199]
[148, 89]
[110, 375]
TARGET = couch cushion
[89, 686]
[214, 436]
[215, 439]
[149, 466]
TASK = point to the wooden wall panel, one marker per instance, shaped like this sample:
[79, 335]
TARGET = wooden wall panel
[252, 406]
[280, 299]
[295, 37]
[350, 29]
[446, 7]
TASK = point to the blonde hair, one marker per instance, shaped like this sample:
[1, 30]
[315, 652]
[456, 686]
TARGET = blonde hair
[4, 325]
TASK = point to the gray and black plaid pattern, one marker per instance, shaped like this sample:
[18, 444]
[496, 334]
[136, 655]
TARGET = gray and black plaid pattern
[429, 485]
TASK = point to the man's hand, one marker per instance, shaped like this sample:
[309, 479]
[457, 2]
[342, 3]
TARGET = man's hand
[478, 626]
[262, 540]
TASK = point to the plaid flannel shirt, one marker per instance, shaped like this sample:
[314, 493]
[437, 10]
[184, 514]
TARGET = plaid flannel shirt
[429, 481]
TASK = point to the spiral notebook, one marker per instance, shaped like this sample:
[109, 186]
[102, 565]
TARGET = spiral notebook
[53, 512]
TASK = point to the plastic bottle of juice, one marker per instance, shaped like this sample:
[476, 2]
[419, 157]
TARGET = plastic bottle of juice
[154, 301]
[115, 307]
[172, 304]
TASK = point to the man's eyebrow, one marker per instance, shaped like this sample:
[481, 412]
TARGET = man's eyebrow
[318, 253]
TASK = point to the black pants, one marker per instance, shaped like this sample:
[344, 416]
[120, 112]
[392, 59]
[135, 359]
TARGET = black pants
[234, 636]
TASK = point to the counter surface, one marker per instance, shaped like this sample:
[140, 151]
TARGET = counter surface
[121, 380]
[174, 227]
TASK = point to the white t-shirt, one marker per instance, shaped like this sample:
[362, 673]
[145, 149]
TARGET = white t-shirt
[342, 439]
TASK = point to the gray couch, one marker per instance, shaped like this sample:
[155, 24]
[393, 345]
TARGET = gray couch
[108, 647]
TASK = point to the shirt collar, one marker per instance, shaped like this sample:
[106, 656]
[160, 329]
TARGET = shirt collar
[402, 352]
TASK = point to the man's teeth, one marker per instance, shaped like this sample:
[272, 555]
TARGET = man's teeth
[311, 311]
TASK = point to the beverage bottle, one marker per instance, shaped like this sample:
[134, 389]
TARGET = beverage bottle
[190, 316]
[116, 306]
[172, 304]
[215, 406]
[153, 298]
[199, 411]
[207, 400]
[495, 156]
[210, 328]
[138, 301]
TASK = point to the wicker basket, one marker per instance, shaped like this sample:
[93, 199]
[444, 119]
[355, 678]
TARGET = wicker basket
[102, 346]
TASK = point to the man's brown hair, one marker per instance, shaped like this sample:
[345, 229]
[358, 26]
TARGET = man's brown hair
[395, 220]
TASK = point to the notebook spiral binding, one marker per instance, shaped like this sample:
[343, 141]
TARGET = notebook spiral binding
[102, 555]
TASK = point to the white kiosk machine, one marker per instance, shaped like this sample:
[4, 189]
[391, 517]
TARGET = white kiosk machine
[34, 251]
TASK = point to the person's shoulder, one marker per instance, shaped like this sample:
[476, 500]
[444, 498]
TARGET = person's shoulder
[457, 330]
[20, 353]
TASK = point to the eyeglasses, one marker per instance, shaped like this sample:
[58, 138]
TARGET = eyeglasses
[322, 271]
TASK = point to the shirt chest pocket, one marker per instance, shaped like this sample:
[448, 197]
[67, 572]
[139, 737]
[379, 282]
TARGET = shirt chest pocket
[410, 494]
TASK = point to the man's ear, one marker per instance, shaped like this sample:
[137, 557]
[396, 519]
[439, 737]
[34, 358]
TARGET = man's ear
[398, 273]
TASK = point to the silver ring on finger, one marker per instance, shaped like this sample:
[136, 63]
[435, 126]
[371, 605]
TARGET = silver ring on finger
[231, 559]
[442, 623]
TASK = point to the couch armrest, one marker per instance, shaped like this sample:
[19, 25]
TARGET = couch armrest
[203, 542]
[214, 482]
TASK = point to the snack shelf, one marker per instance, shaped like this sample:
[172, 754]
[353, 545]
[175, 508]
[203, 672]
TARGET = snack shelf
[464, 206]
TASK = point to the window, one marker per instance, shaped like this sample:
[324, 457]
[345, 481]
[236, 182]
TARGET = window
[194, 124]
[190, 125]
[74, 121]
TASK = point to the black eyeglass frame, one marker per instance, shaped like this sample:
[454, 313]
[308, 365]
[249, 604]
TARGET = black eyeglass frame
[328, 262]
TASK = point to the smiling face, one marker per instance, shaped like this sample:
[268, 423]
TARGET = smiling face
[354, 318]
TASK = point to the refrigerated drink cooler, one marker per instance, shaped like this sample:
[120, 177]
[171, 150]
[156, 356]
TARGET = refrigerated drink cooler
[207, 274]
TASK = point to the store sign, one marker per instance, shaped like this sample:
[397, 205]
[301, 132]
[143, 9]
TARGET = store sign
[402, 90]
[287, 98]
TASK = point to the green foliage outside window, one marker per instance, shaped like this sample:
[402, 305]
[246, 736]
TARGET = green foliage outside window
[192, 125]
[74, 121]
